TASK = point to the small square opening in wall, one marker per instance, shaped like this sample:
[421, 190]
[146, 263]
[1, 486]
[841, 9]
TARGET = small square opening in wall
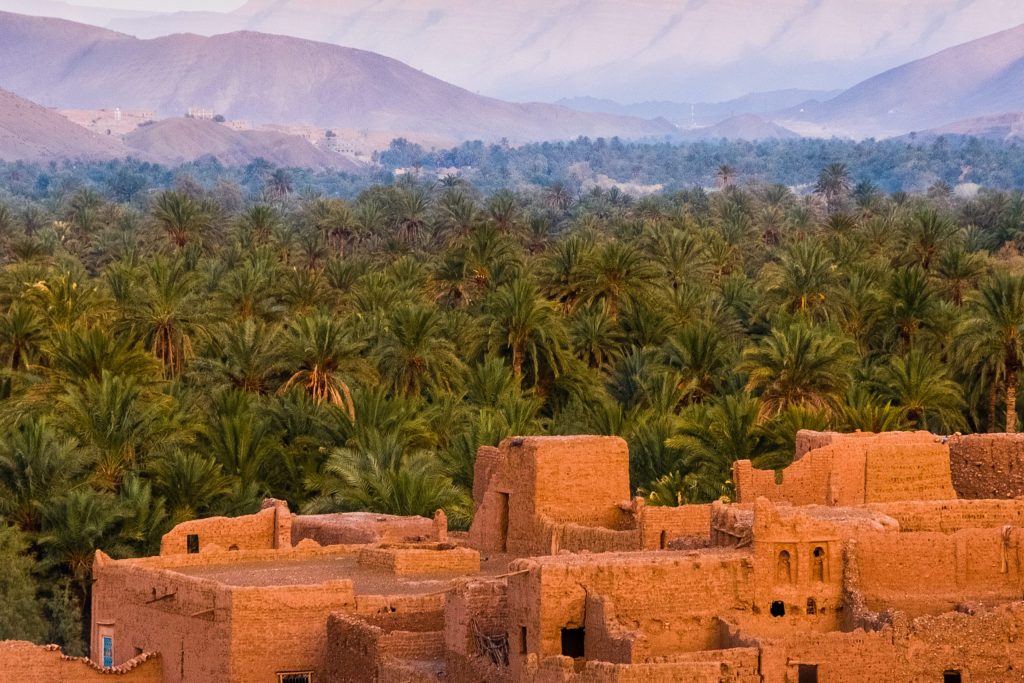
[778, 609]
[807, 673]
[951, 676]
[573, 640]
[295, 677]
[192, 543]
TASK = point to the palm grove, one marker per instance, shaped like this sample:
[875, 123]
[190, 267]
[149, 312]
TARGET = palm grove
[189, 353]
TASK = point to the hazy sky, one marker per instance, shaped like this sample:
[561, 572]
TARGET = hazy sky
[163, 5]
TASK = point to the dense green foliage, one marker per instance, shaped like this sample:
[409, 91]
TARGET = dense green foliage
[186, 352]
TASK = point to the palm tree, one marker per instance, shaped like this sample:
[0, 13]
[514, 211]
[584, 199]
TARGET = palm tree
[725, 174]
[239, 439]
[260, 221]
[834, 184]
[800, 281]
[37, 465]
[180, 216]
[995, 329]
[595, 335]
[246, 354]
[927, 234]
[21, 333]
[385, 478]
[798, 365]
[526, 326]
[192, 484]
[919, 384]
[615, 272]
[413, 354]
[163, 314]
[702, 357]
[326, 358]
[715, 435]
[911, 304]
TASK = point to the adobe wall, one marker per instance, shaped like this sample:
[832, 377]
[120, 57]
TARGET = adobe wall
[984, 647]
[25, 662]
[738, 665]
[855, 469]
[186, 619]
[931, 572]
[953, 515]
[987, 465]
[360, 651]
[361, 527]
[267, 529]
[672, 598]
[476, 607]
[660, 525]
[282, 628]
[441, 559]
[581, 480]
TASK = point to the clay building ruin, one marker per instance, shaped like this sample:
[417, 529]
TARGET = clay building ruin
[889, 557]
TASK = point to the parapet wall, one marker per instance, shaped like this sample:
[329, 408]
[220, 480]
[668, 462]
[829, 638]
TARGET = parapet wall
[23, 662]
[853, 470]
[987, 465]
[269, 528]
[361, 527]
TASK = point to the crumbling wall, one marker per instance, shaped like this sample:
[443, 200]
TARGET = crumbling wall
[360, 651]
[987, 465]
[575, 538]
[24, 662]
[673, 598]
[361, 527]
[267, 529]
[478, 608]
[855, 469]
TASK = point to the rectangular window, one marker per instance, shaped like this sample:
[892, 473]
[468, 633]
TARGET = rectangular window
[522, 640]
[192, 541]
[951, 676]
[807, 673]
[295, 677]
[108, 651]
[573, 640]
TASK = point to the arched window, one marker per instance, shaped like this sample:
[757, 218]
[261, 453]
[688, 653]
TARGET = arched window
[783, 568]
[812, 606]
[818, 564]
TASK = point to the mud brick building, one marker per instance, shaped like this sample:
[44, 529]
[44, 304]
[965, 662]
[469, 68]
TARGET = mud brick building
[873, 557]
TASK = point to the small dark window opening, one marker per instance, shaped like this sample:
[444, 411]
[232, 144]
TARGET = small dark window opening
[778, 609]
[812, 606]
[664, 540]
[522, 640]
[572, 642]
[296, 677]
[818, 565]
[192, 541]
[233, 547]
[951, 676]
[807, 673]
[783, 568]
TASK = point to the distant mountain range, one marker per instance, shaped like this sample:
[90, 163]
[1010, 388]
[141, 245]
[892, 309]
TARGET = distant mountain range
[268, 78]
[982, 77]
[703, 113]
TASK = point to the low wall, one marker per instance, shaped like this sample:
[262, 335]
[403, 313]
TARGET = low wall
[361, 527]
[358, 651]
[439, 560]
[661, 525]
[23, 662]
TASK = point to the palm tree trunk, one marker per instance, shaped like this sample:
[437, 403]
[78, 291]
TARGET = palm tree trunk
[1011, 401]
[517, 361]
[993, 390]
